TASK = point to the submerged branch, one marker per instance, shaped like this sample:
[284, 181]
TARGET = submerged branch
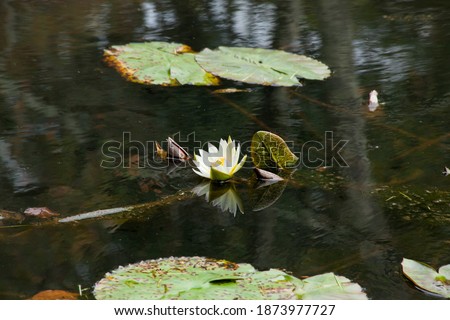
[94, 214]
[137, 210]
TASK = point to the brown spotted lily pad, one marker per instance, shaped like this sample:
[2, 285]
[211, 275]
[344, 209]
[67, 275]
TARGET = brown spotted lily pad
[172, 64]
[197, 278]
[159, 63]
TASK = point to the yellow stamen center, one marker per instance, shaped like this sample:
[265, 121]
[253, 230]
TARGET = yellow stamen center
[219, 162]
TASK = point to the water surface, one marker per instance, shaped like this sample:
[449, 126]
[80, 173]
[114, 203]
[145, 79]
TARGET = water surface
[59, 103]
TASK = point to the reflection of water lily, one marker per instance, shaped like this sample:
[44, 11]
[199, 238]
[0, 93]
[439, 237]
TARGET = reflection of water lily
[224, 197]
[221, 164]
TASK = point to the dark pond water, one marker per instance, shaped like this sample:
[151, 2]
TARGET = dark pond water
[59, 103]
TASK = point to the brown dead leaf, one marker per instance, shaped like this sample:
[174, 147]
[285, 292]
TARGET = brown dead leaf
[175, 151]
[55, 295]
[41, 212]
[160, 151]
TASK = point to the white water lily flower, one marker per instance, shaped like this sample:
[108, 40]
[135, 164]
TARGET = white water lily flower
[219, 164]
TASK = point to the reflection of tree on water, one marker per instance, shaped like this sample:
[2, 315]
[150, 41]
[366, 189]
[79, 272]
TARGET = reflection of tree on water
[51, 119]
[45, 134]
[21, 179]
[358, 211]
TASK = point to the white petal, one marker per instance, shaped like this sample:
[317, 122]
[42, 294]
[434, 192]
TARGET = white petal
[212, 149]
[201, 166]
[201, 173]
[203, 154]
[205, 159]
[236, 155]
[222, 147]
[227, 170]
[229, 155]
[239, 165]
[205, 171]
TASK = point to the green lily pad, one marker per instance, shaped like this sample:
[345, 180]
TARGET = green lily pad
[193, 278]
[261, 66]
[271, 151]
[202, 278]
[329, 286]
[159, 63]
[425, 277]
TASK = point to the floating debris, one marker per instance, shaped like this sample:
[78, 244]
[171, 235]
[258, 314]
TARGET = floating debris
[160, 151]
[231, 90]
[265, 175]
[42, 212]
[175, 151]
[373, 100]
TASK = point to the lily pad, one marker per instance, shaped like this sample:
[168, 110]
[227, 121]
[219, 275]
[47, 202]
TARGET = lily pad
[271, 151]
[202, 278]
[425, 277]
[193, 278]
[329, 286]
[261, 66]
[159, 63]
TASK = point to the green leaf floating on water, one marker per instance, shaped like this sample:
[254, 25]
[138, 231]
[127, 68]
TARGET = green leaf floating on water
[329, 286]
[200, 278]
[427, 278]
[159, 63]
[171, 64]
[271, 151]
[261, 66]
